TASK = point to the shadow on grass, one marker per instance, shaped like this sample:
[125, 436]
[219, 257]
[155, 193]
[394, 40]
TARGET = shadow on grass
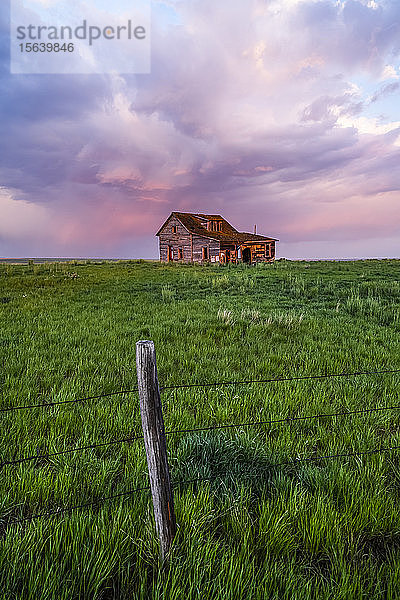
[217, 457]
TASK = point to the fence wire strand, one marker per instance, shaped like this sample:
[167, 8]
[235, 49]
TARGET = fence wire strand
[33, 457]
[297, 460]
[271, 380]
[287, 420]
[75, 401]
[133, 437]
[197, 385]
[98, 502]
[67, 509]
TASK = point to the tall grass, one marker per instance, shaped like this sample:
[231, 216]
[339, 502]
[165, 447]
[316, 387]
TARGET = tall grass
[328, 529]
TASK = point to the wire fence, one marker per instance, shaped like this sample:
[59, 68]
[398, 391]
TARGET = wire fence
[256, 423]
[135, 437]
[100, 501]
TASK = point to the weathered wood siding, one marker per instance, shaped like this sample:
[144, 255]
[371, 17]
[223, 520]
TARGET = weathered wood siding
[261, 251]
[175, 236]
[272, 251]
[259, 255]
[212, 245]
[180, 239]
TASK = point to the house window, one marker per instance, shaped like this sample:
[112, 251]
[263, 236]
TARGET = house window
[214, 225]
[173, 228]
[180, 253]
[205, 252]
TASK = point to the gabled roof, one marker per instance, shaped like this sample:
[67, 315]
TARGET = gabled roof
[192, 222]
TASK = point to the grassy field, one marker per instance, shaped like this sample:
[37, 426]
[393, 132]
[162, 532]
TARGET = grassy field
[329, 529]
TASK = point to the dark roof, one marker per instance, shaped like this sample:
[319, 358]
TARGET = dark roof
[192, 222]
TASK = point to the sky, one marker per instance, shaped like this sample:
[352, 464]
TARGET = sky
[280, 113]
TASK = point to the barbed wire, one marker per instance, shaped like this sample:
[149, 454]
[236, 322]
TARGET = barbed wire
[283, 420]
[197, 385]
[339, 455]
[67, 509]
[135, 437]
[103, 499]
[275, 379]
[18, 461]
[295, 461]
[75, 401]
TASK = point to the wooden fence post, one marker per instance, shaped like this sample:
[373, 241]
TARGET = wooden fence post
[155, 444]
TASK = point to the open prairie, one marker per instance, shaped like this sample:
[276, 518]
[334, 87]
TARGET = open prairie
[268, 524]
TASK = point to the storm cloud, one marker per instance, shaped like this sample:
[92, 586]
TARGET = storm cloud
[260, 111]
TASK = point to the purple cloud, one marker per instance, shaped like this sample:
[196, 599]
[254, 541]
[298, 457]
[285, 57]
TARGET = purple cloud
[250, 111]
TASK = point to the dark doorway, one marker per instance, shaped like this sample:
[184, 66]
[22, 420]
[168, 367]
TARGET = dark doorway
[170, 254]
[246, 255]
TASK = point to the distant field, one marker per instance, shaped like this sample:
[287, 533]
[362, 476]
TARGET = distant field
[323, 530]
[42, 261]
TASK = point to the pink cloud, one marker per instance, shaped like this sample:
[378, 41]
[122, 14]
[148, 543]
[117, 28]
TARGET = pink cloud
[250, 111]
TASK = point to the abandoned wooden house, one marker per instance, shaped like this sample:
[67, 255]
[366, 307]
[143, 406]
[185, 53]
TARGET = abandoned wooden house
[187, 237]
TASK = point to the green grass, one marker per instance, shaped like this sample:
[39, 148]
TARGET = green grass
[329, 529]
